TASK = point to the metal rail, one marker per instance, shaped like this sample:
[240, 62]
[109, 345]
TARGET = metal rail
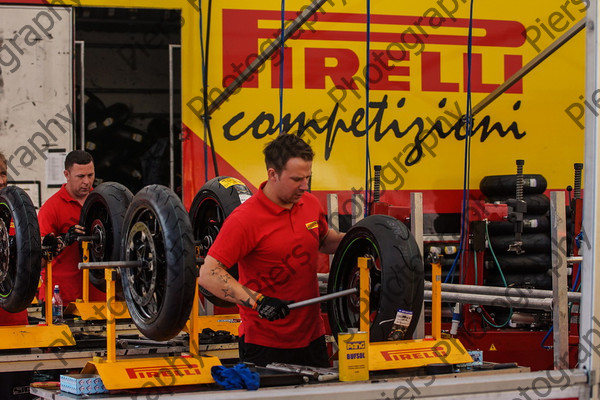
[110, 264]
[509, 292]
[491, 300]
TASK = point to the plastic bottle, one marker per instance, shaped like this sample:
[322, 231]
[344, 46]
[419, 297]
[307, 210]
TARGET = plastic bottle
[455, 319]
[57, 306]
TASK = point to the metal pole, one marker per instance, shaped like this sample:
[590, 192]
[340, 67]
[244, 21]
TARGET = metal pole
[265, 55]
[510, 292]
[589, 340]
[489, 300]
[171, 119]
[81, 44]
[560, 312]
[110, 264]
[416, 228]
[325, 297]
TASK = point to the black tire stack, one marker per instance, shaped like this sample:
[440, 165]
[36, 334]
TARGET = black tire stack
[531, 269]
[123, 153]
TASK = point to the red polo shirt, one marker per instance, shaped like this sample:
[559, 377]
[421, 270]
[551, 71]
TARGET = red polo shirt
[57, 215]
[276, 250]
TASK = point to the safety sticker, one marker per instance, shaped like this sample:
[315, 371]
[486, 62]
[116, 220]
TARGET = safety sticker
[493, 348]
[244, 197]
[228, 182]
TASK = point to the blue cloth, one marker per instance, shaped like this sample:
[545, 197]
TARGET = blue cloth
[237, 377]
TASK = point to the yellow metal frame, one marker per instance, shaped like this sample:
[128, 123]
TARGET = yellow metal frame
[136, 373]
[94, 310]
[43, 335]
[196, 323]
[410, 353]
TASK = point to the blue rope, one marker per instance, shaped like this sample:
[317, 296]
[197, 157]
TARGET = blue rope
[467, 157]
[468, 129]
[281, 70]
[367, 96]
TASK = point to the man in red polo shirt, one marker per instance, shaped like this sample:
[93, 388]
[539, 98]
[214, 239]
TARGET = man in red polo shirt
[60, 216]
[275, 237]
[7, 318]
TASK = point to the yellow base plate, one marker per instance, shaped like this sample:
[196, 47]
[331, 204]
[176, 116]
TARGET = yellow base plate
[153, 372]
[29, 336]
[416, 353]
[224, 322]
[96, 310]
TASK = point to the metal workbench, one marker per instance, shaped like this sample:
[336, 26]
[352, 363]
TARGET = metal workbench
[503, 384]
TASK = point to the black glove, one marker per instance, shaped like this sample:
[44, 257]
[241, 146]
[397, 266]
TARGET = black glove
[71, 236]
[272, 308]
[52, 243]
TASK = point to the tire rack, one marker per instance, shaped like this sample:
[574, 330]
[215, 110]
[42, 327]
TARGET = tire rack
[555, 301]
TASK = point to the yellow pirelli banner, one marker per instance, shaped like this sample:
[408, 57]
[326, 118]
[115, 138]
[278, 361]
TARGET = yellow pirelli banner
[408, 82]
[395, 94]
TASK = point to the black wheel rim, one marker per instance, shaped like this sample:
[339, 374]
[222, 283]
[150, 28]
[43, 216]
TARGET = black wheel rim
[98, 225]
[346, 310]
[207, 224]
[99, 232]
[147, 284]
[8, 252]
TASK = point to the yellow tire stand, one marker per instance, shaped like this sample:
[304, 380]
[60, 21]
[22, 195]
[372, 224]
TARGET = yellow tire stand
[402, 353]
[43, 335]
[94, 310]
[137, 373]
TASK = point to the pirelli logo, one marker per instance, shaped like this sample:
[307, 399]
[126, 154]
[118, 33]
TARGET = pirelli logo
[158, 371]
[414, 354]
[312, 225]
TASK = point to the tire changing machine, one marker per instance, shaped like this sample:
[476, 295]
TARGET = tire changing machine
[194, 369]
[397, 354]
[137, 373]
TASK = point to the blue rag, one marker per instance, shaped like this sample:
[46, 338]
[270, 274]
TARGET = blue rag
[237, 377]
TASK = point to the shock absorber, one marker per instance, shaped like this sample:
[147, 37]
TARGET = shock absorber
[576, 208]
[520, 164]
[519, 207]
[577, 191]
[377, 183]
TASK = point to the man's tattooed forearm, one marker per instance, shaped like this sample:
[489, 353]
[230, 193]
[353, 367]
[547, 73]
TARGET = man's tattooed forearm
[228, 292]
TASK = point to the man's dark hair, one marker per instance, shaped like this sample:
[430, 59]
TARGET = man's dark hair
[3, 159]
[286, 146]
[78, 157]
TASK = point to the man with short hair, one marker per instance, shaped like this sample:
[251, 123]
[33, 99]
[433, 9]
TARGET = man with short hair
[275, 238]
[59, 215]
